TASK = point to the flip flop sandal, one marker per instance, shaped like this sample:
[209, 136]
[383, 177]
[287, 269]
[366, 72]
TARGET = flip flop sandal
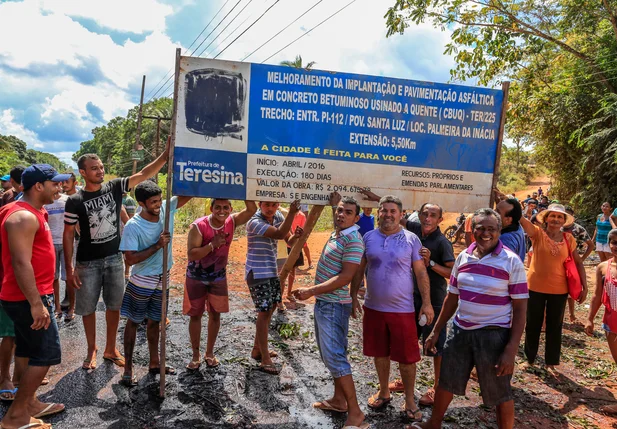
[128, 381]
[9, 391]
[609, 409]
[326, 406]
[168, 370]
[375, 402]
[116, 360]
[211, 362]
[89, 364]
[281, 307]
[413, 415]
[272, 354]
[34, 425]
[362, 426]
[194, 365]
[49, 410]
[269, 369]
[69, 318]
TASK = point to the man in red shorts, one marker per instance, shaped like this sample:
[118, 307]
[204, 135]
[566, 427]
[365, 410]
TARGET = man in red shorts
[206, 274]
[391, 259]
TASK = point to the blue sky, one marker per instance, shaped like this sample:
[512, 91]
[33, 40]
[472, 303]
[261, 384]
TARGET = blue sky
[69, 66]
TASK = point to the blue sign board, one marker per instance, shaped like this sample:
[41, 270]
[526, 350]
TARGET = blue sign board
[253, 131]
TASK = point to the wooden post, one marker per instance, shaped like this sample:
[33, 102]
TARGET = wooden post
[141, 105]
[311, 221]
[165, 279]
[156, 145]
[505, 87]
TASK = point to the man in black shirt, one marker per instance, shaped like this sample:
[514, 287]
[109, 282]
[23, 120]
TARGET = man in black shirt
[439, 259]
[100, 267]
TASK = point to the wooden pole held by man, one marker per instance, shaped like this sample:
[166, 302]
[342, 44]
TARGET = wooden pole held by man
[170, 163]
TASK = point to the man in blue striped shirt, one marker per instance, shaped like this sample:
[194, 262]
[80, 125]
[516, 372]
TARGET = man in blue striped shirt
[263, 230]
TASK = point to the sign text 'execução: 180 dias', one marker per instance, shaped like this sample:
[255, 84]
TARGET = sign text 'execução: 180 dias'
[274, 133]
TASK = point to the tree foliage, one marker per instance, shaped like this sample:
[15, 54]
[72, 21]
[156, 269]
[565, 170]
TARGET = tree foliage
[114, 141]
[561, 57]
[297, 63]
[15, 152]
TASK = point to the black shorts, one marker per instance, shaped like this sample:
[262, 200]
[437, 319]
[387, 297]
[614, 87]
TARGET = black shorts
[480, 348]
[41, 347]
[300, 260]
[425, 331]
[266, 293]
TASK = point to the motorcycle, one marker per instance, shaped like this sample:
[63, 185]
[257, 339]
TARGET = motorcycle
[454, 232]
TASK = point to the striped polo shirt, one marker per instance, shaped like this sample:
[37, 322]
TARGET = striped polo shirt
[486, 287]
[346, 247]
[261, 251]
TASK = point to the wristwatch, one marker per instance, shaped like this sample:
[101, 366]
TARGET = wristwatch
[431, 263]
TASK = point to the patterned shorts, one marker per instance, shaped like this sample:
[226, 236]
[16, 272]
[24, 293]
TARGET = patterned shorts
[266, 293]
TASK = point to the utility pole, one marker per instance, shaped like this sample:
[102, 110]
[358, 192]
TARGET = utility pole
[158, 138]
[141, 105]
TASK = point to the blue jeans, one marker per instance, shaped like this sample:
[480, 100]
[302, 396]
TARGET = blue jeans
[331, 328]
[105, 274]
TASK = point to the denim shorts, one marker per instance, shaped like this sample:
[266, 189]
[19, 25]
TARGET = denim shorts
[480, 348]
[331, 329]
[60, 268]
[41, 347]
[106, 274]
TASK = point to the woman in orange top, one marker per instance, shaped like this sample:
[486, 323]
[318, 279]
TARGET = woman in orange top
[548, 287]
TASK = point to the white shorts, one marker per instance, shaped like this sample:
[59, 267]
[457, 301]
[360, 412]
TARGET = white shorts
[603, 247]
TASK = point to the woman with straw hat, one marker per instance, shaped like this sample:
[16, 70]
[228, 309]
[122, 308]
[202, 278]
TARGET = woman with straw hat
[548, 287]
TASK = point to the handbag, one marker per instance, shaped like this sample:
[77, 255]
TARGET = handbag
[575, 287]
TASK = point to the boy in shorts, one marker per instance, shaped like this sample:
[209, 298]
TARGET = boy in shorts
[205, 289]
[142, 243]
[263, 230]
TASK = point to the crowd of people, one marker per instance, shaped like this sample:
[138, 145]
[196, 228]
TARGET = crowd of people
[467, 312]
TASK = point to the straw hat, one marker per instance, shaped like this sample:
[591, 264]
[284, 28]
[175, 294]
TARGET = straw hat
[557, 208]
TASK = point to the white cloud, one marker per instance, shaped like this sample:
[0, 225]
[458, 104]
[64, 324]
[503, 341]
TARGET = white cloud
[135, 16]
[354, 41]
[58, 69]
[9, 127]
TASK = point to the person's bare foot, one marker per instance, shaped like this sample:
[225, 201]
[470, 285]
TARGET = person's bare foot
[573, 318]
[354, 419]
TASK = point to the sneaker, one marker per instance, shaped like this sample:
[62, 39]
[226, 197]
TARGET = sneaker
[396, 386]
[428, 398]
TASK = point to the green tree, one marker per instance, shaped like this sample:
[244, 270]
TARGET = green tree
[15, 152]
[114, 141]
[561, 59]
[297, 63]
